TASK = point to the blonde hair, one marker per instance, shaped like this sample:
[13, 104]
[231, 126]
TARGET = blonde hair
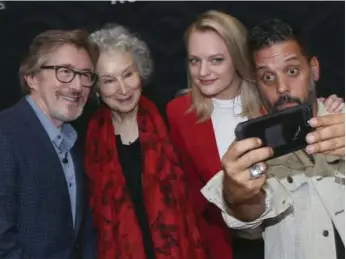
[234, 33]
[45, 43]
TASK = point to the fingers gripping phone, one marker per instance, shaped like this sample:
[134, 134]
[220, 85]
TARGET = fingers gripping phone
[284, 131]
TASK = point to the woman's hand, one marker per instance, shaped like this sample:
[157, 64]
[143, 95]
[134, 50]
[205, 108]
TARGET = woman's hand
[333, 103]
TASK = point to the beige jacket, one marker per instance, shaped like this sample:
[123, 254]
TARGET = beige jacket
[305, 196]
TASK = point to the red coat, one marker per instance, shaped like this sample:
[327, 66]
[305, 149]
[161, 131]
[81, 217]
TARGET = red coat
[196, 146]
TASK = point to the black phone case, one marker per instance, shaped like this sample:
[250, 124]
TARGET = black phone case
[305, 109]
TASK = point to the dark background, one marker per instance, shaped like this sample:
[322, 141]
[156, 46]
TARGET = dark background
[161, 25]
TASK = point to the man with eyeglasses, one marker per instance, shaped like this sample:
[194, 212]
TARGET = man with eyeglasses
[44, 211]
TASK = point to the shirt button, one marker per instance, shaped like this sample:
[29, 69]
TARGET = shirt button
[289, 179]
[59, 137]
[325, 233]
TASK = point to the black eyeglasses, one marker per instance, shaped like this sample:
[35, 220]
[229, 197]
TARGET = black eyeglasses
[65, 75]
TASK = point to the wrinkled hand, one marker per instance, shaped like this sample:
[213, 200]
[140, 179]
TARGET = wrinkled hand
[238, 187]
[333, 103]
[329, 137]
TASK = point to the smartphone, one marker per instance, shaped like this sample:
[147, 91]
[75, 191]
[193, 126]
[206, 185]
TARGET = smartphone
[284, 131]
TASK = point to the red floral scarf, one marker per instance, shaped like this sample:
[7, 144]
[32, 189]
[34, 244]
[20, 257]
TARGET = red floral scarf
[172, 222]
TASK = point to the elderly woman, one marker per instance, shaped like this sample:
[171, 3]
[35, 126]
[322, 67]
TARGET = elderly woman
[138, 196]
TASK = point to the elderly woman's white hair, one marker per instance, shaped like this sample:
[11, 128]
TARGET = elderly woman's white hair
[114, 37]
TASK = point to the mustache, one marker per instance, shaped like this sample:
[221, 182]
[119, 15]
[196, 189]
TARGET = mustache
[285, 99]
[68, 92]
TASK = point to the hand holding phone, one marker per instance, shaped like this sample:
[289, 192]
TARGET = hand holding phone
[284, 131]
[256, 141]
[236, 162]
[329, 137]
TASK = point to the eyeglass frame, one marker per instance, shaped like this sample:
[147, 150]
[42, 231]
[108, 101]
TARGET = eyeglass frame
[57, 67]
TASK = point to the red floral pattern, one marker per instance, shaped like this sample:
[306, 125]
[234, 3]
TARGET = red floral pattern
[172, 221]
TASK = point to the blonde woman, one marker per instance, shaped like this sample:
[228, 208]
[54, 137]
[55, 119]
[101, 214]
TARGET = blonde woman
[221, 94]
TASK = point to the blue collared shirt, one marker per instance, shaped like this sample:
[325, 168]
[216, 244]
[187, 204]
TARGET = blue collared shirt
[63, 140]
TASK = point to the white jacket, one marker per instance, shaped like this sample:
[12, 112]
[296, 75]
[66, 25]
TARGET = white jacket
[303, 200]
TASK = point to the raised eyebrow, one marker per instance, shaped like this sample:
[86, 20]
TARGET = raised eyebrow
[292, 58]
[293, 64]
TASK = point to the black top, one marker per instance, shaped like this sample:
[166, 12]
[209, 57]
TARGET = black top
[131, 162]
[340, 247]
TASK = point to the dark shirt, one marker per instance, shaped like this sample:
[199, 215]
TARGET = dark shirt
[131, 162]
[340, 247]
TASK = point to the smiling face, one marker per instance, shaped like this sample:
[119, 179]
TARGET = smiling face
[285, 76]
[61, 102]
[119, 81]
[210, 64]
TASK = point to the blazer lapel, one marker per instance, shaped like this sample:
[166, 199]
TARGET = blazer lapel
[208, 154]
[36, 131]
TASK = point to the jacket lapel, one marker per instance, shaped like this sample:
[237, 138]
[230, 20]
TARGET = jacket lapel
[37, 133]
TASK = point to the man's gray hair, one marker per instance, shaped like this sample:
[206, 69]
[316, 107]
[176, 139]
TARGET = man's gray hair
[114, 37]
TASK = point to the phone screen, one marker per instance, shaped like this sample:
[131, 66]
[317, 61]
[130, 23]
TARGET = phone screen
[284, 131]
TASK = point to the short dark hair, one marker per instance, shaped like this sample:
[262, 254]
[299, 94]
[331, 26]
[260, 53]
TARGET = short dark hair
[275, 31]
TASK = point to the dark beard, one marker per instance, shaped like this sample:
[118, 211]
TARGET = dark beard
[285, 99]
